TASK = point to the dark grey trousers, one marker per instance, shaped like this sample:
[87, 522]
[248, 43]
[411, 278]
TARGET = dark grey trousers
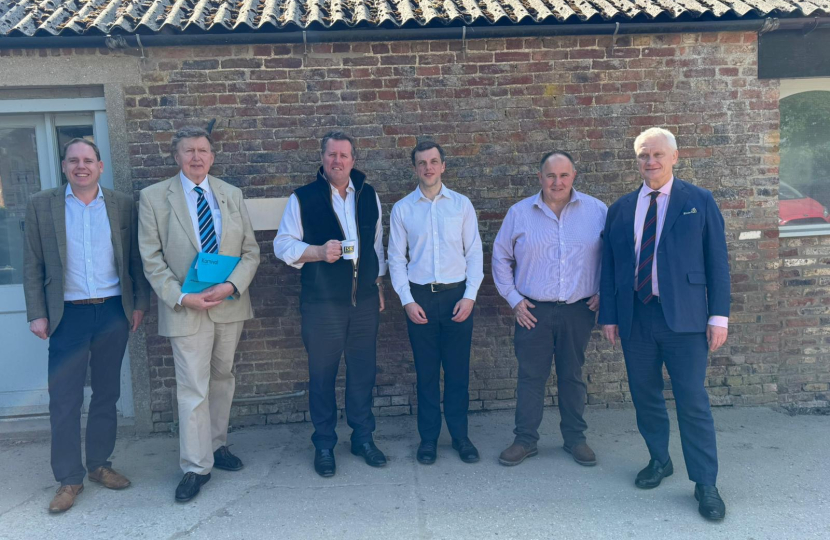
[561, 335]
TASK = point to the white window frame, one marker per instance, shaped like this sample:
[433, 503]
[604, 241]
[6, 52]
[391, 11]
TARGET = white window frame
[790, 87]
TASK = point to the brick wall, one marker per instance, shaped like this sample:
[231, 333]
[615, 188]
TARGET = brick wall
[496, 108]
[804, 308]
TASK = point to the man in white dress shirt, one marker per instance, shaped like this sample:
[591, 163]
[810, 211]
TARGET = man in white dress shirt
[341, 297]
[437, 288]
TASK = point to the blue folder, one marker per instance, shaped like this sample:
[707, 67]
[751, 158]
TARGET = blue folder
[207, 270]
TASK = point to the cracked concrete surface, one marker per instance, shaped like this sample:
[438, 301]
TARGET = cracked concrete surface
[775, 473]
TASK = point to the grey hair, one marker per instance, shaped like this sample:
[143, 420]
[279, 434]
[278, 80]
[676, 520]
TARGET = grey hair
[337, 136]
[189, 132]
[654, 132]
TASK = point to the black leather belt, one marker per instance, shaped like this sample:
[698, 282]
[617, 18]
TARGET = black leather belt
[436, 287]
[560, 302]
[88, 301]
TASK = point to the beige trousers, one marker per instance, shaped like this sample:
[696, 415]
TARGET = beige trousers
[204, 390]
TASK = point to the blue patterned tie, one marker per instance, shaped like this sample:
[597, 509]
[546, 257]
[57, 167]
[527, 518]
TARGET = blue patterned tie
[647, 251]
[207, 234]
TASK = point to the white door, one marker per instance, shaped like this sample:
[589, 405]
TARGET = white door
[24, 170]
[30, 148]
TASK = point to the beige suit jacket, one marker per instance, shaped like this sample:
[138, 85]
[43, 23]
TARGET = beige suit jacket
[168, 245]
[45, 254]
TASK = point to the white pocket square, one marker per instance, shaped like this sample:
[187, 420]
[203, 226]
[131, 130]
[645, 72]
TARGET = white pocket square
[692, 211]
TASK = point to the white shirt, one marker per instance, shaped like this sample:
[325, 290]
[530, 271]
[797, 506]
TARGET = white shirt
[192, 199]
[643, 201]
[90, 258]
[289, 245]
[444, 244]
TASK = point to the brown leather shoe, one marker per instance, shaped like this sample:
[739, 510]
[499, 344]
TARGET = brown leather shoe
[516, 453]
[109, 478]
[65, 498]
[582, 454]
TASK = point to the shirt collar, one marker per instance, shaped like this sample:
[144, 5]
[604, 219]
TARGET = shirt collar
[188, 184]
[69, 193]
[444, 192]
[349, 188]
[540, 202]
[645, 191]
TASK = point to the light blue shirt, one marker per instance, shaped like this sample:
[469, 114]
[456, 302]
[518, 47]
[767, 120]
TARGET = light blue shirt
[540, 256]
[90, 259]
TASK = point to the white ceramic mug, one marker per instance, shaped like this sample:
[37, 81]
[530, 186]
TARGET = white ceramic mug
[348, 247]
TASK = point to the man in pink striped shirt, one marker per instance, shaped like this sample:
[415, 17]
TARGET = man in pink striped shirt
[546, 264]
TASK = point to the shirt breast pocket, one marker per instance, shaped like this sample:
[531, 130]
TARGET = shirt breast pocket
[451, 231]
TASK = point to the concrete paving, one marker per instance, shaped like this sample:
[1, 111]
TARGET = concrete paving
[775, 479]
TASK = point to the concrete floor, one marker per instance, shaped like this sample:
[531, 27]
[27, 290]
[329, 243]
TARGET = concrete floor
[775, 479]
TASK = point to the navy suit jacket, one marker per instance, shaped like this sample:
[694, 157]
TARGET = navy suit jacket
[692, 262]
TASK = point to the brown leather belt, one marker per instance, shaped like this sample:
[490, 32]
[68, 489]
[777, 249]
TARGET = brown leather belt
[88, 301]
[436, 287]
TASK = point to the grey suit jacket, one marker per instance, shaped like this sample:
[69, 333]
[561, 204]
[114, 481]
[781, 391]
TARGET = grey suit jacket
[168, 245]
[45, 254]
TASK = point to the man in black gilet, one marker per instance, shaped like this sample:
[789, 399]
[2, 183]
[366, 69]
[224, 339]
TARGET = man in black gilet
[331, 230]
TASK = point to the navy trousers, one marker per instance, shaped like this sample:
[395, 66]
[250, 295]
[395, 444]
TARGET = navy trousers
[94, 336]
[441, 342]
[330, 331]
[651, 345]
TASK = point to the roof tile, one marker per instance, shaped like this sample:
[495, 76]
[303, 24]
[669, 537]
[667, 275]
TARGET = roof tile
[79, 17]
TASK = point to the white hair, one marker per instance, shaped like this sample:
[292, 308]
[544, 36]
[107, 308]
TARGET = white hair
[655, 132]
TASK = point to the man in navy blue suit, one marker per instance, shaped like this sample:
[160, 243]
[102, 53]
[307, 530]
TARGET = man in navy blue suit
[664, 292]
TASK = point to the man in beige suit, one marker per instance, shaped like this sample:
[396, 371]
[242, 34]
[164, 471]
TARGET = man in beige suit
[178, 218]
[84, 292]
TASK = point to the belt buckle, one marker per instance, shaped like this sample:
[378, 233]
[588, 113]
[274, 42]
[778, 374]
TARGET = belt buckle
[432, 287]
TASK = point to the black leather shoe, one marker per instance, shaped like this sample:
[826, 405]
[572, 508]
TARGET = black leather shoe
[190, 485]
[466, 451]
[370, 453]
[427, 452]
[711, 505]
[223, 459]
[653, 474]
[324, 462]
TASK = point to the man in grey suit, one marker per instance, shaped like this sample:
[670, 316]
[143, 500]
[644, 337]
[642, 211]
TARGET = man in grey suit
[180, 217]
[85, 291]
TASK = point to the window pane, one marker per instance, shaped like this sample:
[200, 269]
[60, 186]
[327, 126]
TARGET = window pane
[804, 196]
[19, 179]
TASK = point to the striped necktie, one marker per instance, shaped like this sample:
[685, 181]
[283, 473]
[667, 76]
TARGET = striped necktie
[647, 251]
[207, 234]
